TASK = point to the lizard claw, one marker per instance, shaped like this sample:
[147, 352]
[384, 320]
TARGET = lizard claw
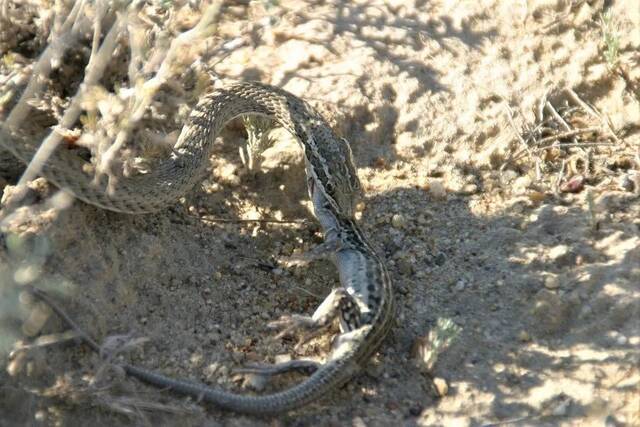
[291, 323]
[295, 323]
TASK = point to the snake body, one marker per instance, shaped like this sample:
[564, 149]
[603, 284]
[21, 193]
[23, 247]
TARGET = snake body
[171, 178]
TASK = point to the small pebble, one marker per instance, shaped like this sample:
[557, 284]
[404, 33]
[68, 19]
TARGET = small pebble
[398, 221]
[255, 382]
[437, 190]
[460, 285]
[630, 182]
[521, 184]
[210, 370]
[562, 407]
[442, 388]
[622, 340]
[379, 162]
[508, 176]
[469, 189]
[551, 282]
[282, 358]
[536, 196]
[574, 185]
[405, 266]
[524, 336]
[15, 366]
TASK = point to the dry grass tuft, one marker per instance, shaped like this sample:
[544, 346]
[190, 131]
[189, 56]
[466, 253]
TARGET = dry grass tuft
[569, 144]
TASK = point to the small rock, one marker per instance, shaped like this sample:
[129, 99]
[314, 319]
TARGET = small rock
[460, 285]
[379, 162]
[616, 338]
[398, 221]
[415, 410]
[574, 185]
[508, 176]
[441, 386]
[536, 196]
[282, 358]
[405, 266]
[37, 365]
[560, 407]
[424, 219]
[437, 190]
[40, 416]
[521, 184]
[630, 182]
[469, 189]
[562, 256]
[359, 422]
[255, 382]
[224, 371]
[524, 336]
[551, 282]
[15, 366]
[550, 313]
[210, 370]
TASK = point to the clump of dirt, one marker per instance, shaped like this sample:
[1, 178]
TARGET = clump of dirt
[499, 149]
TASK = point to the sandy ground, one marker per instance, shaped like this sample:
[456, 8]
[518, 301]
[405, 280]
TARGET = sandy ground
[539, 265]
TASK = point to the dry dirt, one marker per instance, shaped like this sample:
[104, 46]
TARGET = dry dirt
[540, 269]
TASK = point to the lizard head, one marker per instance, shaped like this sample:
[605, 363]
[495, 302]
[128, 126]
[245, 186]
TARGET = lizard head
[343, 186]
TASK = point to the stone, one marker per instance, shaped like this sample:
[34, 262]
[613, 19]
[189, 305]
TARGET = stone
[441, 386]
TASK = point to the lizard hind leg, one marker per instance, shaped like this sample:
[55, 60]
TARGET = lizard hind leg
[338, 304]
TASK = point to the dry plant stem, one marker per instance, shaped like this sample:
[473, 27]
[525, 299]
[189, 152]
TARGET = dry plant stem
[557, 116]
[541, 105]
[95, 70]
[577, 144]
[521, 153]
[513, 421]
[101, 9]
[513, 126]
[556, 186]
[567, 134]
[44, 297]
[525, 146]
[556, 22]
[144, 93]
[595, 113]
[47, 340]
[261, 221]
[126, 406]
[51, 54]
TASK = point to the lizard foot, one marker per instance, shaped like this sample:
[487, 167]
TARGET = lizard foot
[321, 251]
[337, 305]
